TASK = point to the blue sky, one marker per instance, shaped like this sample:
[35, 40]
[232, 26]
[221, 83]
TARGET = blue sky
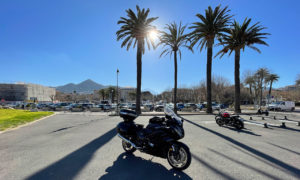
[54, 42]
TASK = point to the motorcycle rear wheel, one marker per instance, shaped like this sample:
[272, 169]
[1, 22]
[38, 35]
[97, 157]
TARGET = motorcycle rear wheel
[219, 121]
[181, 159]
[128, 147]
[239, 125]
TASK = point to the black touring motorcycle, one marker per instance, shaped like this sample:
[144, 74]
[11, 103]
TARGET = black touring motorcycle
[224, 118]
[159, 138]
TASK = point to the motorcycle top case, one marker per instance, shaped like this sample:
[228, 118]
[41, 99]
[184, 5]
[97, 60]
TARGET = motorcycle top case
[126, 128]
[128, 115]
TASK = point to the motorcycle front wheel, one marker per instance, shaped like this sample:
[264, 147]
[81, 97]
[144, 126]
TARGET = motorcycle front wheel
[128, 147]
[180, 158]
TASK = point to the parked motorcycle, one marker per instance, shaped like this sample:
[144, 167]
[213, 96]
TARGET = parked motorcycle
[224, 118]
[159, 138]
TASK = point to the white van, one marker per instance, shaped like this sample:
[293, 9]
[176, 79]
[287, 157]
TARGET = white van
[282, 106]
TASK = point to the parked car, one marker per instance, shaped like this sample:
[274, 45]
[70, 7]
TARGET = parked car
[190, 105]
[132, 106]
[106, 107]
[123, 106]
[87, 106]
[215, 106]
[200, 106]
[59, 106]
[180, 106]
[159, 108]
[77, 107]
[101, 106]
[149, 107]
[68, 107]
[113, 106]
[41, 106]
[282, 106]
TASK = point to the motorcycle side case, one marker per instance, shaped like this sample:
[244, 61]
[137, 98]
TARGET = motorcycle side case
[126, 128]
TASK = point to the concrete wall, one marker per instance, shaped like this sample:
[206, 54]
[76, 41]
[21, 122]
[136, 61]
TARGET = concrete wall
[41, 93]
[13, 92]
[24, 92]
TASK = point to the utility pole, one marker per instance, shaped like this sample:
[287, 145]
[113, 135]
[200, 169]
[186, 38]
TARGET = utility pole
[118, 91]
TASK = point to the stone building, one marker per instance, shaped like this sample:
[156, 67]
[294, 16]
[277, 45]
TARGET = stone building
[26, 92]
[125, 93]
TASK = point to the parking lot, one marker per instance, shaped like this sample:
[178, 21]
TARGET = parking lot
[85, 146]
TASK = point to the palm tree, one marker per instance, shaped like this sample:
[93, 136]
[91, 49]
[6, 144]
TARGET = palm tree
[135, 30]
[239, 37]
[101, 92]
[212, 25]
[250, 81]
[272, 78]
[172, 41]
[261, 74]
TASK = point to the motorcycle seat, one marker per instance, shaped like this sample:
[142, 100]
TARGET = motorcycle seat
[156, 120]
[139, 126]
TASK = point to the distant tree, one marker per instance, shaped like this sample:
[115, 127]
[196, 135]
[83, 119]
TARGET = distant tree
[250, 81]
[132, 95]
[239, 37]
[147, 95]
[298, 80]
[101, 92]
[213, 24]
[261, 74]
[74, 96]
[172, 40]
[52, 97]
[135, 29]
[271, 78]
[111, 92]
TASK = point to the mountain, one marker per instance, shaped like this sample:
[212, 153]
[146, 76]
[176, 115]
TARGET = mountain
[86, 87]
[288, 88]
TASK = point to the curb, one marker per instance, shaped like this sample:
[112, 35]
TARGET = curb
[26, 124]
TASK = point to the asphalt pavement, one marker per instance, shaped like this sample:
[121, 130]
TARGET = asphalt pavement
[85, 146]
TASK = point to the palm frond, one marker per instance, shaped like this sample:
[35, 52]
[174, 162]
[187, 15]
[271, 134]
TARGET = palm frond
[242, 35]
[173, 38]
[213, 23]
[136, 27]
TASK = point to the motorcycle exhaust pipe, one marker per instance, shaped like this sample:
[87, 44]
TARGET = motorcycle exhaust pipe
[128, 141]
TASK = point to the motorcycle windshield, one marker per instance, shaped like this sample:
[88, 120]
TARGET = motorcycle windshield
[168, 111]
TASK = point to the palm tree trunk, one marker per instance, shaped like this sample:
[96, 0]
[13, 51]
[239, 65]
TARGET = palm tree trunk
[261, 91]
[237, 98]
[270, 90]
[138, 77]
[175, 82]
[208, 78]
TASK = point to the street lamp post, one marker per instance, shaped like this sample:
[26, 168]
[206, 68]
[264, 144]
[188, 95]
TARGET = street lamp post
[118, 91]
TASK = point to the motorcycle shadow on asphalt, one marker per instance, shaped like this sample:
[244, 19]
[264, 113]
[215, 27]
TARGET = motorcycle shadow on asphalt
[128, 166]
[244, 130]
